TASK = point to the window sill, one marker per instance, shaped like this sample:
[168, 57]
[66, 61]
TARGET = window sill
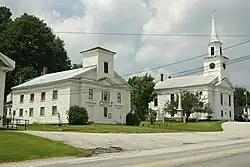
[54, 99]
[42, 100]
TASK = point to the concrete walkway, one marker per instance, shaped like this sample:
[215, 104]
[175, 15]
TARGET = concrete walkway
[132, 142]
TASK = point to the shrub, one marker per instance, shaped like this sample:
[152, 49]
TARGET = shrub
[152, 116]
[77, 116]
[132, 119]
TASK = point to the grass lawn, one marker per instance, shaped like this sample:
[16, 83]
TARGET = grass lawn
[19, 147]
[147, 128]
[190, 126]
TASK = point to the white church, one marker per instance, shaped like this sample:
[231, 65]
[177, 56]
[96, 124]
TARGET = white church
[214, 84]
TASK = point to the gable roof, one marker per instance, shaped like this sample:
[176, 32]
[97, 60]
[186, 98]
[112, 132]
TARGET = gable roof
[185, 82]
[98, 48]
[8, 62]
[53, 77]
[225, 83]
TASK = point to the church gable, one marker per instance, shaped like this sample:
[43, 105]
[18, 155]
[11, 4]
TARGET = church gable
[226, 84]
[106, 81]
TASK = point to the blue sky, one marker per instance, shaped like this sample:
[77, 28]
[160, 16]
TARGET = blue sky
[135, 53]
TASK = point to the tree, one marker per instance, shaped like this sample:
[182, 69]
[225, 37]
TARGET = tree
[191, 103]
[30, 43]
[5, 17]
[239, 96]
[75, 66]
[24, 74]
[77, 115]
[142, 94]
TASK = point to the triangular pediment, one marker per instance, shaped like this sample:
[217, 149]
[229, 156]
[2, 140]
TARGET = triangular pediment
[225, 83]
[106, 81]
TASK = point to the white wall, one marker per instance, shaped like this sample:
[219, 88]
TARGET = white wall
[62, 103]
[118, 110]
[210, 95]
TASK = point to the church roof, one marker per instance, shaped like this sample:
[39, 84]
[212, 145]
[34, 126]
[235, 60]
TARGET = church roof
[53, 77]
[10, 64]
[186, 81]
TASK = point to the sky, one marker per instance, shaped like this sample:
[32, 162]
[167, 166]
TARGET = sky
[141, 52]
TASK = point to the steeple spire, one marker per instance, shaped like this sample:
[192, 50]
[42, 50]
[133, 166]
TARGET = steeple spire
[214, 35]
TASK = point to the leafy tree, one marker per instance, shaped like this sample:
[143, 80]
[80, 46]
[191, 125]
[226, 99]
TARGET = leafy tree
[30, 43]
[191, 103]
[239, 96]
[75, 66]
[152, 114]
[24, 74]
[5, 17]
[77, 115]
[142, 94]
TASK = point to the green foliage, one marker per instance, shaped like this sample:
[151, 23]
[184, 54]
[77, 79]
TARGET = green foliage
[75, 66]
[142, 94]
[152, 114]
[5, 17]
[77, 115]
[24, 74]
[191, 103]
[239, 97]
[132, 119]
[31, 43]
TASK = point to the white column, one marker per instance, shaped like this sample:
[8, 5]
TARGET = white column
[2, 85]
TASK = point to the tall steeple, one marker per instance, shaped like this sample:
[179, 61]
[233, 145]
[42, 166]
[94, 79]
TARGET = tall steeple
[215, 63]
[214, 35]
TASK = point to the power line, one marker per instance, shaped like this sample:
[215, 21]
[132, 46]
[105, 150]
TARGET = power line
[182, 61]
[147, 34]
[77, 91]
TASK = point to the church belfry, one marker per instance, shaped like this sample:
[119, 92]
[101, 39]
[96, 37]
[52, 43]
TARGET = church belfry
[215, 63]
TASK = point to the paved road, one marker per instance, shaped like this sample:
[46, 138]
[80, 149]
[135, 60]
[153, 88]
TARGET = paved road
[225, 156]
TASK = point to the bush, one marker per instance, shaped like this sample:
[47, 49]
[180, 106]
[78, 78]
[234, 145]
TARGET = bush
[132, 119]
[152, 116]
[77, 116]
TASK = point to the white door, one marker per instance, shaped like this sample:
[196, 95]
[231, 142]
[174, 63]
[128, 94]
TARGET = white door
[91, 113]
[118, 117]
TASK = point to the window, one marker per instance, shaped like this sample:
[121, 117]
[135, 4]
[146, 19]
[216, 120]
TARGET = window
[21, 112]
[32, 97]
[220, 51]
[14, 112]
[221, 99]
[54, 95]
[91, 94]
[10, 111]
[54, 110]
[212, 50]
[43, 96]
[156, 102]
[172, 114]
[109, 115]
[105, 112]
[221, 113]
[230, 114]
[172, 98]
[21, 98]
[42, 112]
[119, 97]
[229, 100]
[105, 96]
[31, 112]
[106, 67]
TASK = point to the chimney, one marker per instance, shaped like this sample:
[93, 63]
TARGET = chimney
[161, 77]
[169, 77]
[45, 71]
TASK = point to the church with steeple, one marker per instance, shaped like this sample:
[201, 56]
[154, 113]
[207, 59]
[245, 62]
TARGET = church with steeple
[214, 84]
